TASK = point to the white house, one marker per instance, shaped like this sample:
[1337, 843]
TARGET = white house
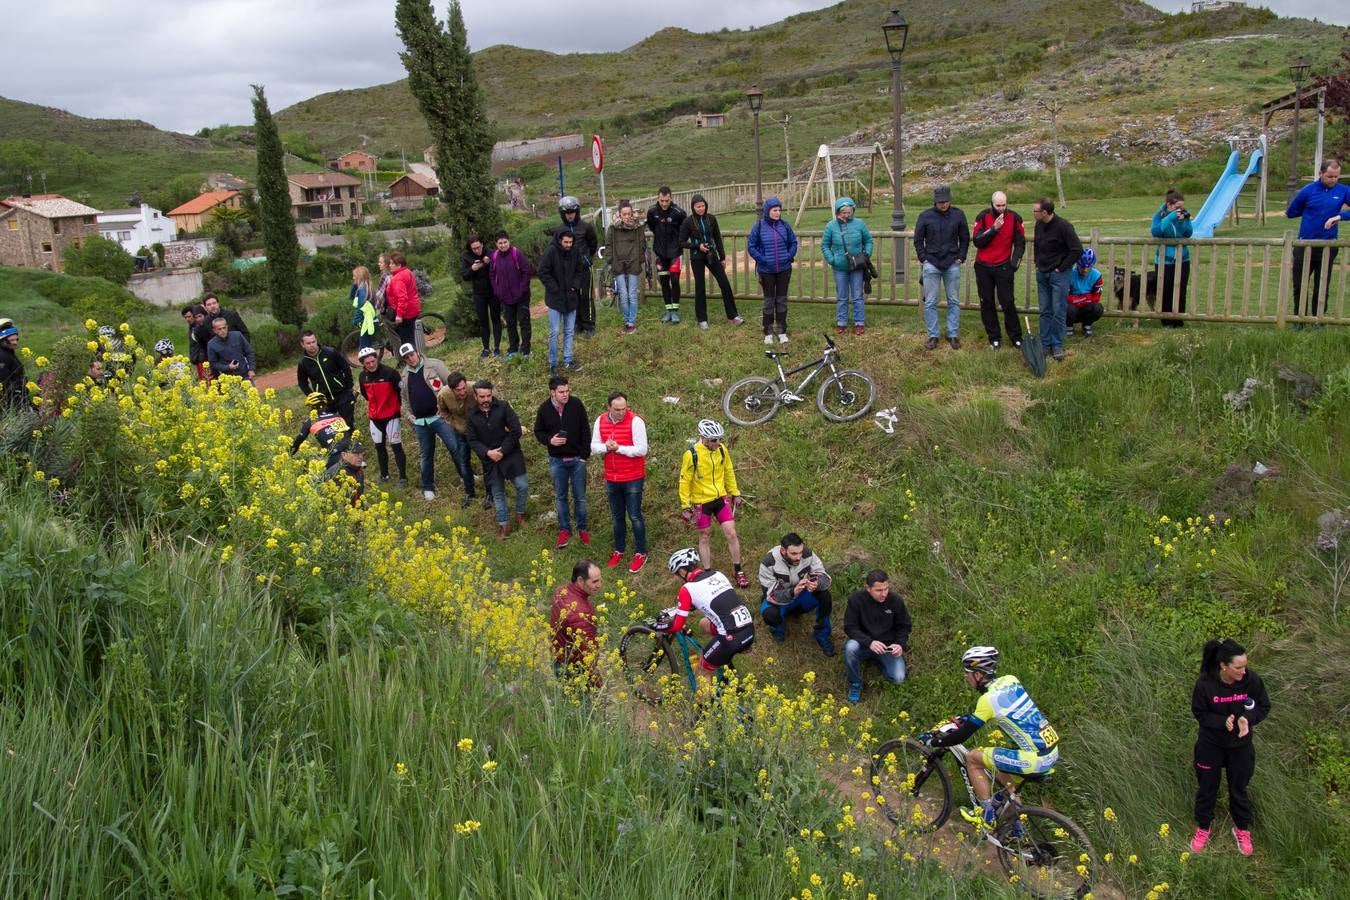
[136, 228]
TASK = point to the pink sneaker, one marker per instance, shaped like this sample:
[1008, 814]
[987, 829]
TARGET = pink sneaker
[1244, 841]
[1199, 839]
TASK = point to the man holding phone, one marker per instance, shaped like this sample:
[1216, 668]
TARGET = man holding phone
[795, 582]
[562, 426]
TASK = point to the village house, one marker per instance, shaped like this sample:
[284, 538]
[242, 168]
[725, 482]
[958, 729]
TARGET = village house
[135, 228]
[190, 218]
[325, 198]
[410, 190]
[34, 231]
[356, 160]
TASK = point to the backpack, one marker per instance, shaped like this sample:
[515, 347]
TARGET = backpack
[424, 285]
[693, 457]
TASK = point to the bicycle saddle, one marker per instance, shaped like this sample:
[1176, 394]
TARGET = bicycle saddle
[775, 354]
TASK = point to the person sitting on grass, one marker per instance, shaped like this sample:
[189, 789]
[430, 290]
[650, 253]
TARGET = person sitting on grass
[1085, 294]
[877, 624]
[795, 582]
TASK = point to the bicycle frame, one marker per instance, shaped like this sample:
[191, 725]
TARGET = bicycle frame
[826, 361]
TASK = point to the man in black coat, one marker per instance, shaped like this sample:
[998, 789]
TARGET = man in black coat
[664, 220]
[494, 434]
[323, 370]
[561, 272]
[877, 623]
[562, 426]
[941, 239]
[588, 247]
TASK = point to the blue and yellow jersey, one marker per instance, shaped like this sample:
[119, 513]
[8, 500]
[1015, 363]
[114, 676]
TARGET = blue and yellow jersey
[1007, 704]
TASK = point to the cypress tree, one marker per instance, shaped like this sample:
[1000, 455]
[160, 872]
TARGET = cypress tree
[274, 217]
[442, 79]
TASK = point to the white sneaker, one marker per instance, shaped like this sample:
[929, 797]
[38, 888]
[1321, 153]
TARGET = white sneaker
[768, 339]
[428, 495]
[703, 325]
[782, 339]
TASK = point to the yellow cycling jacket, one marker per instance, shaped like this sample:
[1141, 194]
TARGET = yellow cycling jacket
[706, 475]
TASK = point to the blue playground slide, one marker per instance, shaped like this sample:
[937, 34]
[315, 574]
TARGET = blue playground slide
[1225, 192]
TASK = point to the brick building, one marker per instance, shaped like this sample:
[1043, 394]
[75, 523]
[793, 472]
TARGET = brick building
[325, 198]
[357, 160]
[35, 230]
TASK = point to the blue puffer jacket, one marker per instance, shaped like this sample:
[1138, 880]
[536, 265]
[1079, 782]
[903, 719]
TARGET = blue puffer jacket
[772, 244]
[1170, 227]
[842, 239]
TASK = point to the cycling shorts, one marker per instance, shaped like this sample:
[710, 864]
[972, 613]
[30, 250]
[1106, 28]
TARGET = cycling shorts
[724, 646]
[720, 509]
[380, 428]
[1019, 762]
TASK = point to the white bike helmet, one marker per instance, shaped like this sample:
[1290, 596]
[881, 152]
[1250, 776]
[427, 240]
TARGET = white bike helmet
[683, 559]
[164, 347]
[710, 429]
[569, 204]
[981, 659]
[364, 352]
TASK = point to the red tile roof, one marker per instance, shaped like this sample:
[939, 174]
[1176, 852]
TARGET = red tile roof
[201, 204]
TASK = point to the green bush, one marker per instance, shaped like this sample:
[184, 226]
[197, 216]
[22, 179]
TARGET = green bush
[248, 282]
[274, 344]
[110, 309]
[66, 290]
[99, 257]
[331, 321]
[327, 270]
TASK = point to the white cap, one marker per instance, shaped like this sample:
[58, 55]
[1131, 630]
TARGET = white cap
[406, 349]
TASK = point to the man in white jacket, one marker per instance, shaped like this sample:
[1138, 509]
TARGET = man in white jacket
[795, 582]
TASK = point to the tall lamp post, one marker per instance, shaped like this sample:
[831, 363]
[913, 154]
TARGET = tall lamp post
[1298, 69]
[896, 30]
[756, 98]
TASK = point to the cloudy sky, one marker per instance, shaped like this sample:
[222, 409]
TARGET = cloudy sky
[183, 64]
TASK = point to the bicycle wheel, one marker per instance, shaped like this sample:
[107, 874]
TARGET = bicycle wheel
[846, 395]
[648, 665]
[1047, 853]
[433, 329]
[350, 344]
[916, 787]
[751, 401]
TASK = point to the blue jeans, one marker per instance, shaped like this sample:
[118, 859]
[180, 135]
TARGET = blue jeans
[497, 489]
[455, 445]
[848, 285]
[626, 286]
[1052, 289]
[568, 475]
[855, 654]
[775, 616]
[567, 324]
[625, 497]
[950, 279]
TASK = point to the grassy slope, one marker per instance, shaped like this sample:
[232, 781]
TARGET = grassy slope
[1036, 508]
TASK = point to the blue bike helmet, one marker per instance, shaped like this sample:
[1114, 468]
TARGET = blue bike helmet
[1088, 259]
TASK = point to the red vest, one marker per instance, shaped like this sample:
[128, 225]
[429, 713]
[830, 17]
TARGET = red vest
[617, 466]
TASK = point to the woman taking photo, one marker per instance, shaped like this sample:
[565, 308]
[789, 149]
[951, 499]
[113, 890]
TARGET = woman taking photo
[1228, 701]
[1173, 223]
[475, 268]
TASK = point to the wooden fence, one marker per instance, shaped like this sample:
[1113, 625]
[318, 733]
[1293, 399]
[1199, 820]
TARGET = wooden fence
[725, 197]
[1241, 280]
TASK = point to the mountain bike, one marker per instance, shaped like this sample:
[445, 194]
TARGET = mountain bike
[844, 394]
[1042, 851]
[385, 341]
[660, 665]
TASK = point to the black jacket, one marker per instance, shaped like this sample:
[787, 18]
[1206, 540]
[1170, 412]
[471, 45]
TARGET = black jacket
[13, 384]
[866, 620]
[232, 319]
[328, 373]
[695, 230]
[1056, 247]
[664, 224]
[573, 420]
[1212, 702]
[562, 275]
[497, 429]
[941, 238]
[480, 282]
[584, 238]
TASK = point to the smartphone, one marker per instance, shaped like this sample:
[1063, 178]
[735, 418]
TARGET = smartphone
[562, 434]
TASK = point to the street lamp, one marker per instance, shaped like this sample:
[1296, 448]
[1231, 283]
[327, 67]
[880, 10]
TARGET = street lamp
[756, 98]
[1298, 70]
[896, 30]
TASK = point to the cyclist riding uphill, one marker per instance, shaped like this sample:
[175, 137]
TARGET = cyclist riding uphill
[726, 618]
[1006, 703]
[708, 491]
[328, 429]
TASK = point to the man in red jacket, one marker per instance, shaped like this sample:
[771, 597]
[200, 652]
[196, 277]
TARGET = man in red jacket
[620, 438]
[572, 622]
[380, 387]
[403, 299]
[1000, 240]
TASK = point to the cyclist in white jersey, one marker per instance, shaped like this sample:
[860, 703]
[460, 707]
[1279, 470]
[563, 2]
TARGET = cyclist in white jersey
[726, 618]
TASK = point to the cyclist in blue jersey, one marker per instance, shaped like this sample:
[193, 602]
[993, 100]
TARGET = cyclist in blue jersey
[1005, 703]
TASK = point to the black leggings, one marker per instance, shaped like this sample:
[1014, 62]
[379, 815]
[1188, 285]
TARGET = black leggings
[775, 289]
[701, 288]
[489, 310]
[670, 284]
[1210, 762]
[382, 453]
[1166, 277]
[517, 316]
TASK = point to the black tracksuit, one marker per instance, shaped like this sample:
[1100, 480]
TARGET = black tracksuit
[698, 230]
[1217, 749]
[329, 374]
[588, 245]
[664, 225]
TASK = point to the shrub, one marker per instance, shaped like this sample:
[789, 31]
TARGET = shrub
[327, 270]
[110, 308]
[100, 258]
[331, 321]
[274, 343]
[248, 282]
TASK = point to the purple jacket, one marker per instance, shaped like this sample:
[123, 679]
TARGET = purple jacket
[510, 273]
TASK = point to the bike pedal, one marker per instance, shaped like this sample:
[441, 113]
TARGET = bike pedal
[789, 397]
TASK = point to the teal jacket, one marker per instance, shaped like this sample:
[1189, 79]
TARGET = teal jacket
[840, 240]
[1169, 227]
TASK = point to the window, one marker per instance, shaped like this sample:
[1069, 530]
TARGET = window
[355, 211]
[335, 211]
[12, 224]
[46, 247]
[56, 226]
[124, 235]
